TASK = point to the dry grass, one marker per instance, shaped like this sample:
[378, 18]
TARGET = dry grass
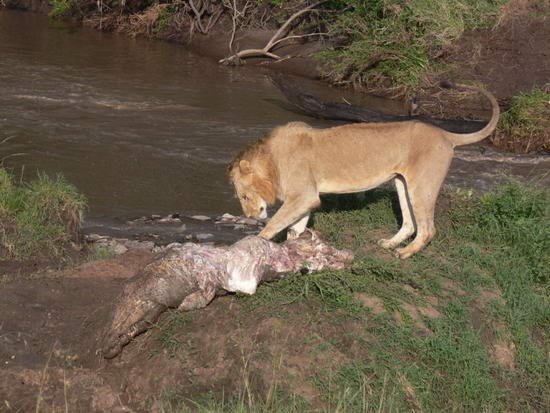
[38, 218]
[519, 8]
[136, 24]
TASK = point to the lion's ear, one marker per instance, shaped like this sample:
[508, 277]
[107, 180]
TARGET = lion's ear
[245, 167]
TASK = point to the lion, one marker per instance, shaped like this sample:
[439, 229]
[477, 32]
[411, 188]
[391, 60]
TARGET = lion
[296, 163]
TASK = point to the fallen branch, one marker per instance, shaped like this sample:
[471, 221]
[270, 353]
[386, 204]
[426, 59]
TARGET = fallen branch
[275, 39]
[190, 276]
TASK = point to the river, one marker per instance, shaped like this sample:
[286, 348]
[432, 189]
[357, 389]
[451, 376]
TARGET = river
[138, 126]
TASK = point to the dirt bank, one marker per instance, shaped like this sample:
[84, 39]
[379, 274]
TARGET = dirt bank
[512, 58]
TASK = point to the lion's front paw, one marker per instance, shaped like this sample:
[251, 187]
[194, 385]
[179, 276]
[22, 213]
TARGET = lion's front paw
[386, 243]
[292, 234]
[266, 234]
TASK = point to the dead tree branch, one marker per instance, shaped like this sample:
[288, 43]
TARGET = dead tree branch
[206, 15]
[276, 39]
[235, 15]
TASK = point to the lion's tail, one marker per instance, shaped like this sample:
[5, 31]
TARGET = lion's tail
[459, 139]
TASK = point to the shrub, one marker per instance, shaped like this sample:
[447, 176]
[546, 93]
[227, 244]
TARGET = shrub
[39, 217]
[526, 124]
[393, 42]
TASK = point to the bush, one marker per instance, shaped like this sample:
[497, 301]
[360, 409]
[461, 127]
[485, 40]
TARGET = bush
[59, 8]
[526, 124]
[393, 42]
[39, 217]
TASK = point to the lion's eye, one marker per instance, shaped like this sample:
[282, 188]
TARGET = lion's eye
[245, 198]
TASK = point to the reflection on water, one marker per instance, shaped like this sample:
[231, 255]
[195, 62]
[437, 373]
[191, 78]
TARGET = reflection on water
[140, 127]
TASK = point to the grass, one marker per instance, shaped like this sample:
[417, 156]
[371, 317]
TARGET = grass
[164, 19]
[100, 252]
[526, 123]
[433, 345]
[39, 218]
[395, 44]
[500, 241]
[59, 8]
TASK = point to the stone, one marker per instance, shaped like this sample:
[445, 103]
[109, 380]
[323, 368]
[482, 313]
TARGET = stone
[169, 220]
[200, 217]
[118, 248]
[203, 236]
[247, 221]
[95, 237]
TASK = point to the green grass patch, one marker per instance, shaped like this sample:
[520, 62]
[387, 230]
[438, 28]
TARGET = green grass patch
[164, 19]
[395, 43]
[497, 243]
[100, 252]
[38, 218]
[526, 123]
[172, 329]
[59, 8]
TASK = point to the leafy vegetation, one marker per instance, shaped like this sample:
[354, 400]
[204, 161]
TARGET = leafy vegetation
[461, 326]
[99, 252]
[394, 43]
[60, 8]
[526, 124]
[37, 218]
[164, 19]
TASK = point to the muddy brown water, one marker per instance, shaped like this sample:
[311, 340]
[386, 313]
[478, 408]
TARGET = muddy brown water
[140, 127]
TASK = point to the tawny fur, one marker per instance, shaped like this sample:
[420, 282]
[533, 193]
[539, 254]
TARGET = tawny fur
[296, 163]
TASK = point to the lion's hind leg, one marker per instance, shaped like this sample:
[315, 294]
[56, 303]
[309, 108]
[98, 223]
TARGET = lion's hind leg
[423, 189]
[407, 227]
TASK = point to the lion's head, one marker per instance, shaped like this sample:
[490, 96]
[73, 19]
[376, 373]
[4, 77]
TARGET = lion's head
[253, 174]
